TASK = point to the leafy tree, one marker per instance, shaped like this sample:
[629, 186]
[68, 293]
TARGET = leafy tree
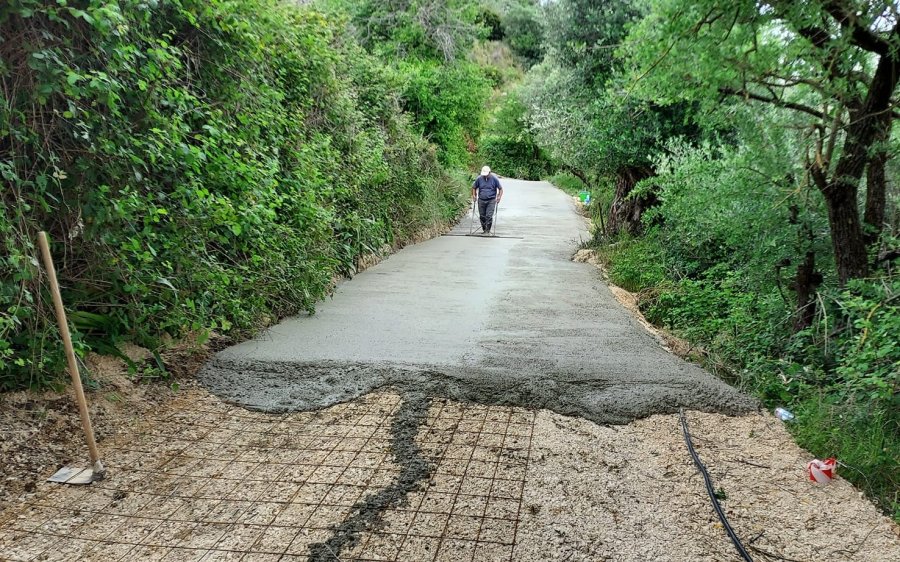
[584, 118]
[833, 64]
[427, 43]
[491, 20]
[447, 103]
[508, 145]
[523, 32]
[423, 29]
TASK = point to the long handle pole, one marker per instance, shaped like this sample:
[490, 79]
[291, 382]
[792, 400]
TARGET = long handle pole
[70, 351]
[494, 220]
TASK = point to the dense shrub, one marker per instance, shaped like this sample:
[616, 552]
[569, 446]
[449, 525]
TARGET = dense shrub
[199, 164]
[568, 183]
[508, 145]
[427, 44]
[524, 32]
[447, 103]
[512, 158]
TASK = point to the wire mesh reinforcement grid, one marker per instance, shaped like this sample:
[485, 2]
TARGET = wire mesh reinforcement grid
[209, 481]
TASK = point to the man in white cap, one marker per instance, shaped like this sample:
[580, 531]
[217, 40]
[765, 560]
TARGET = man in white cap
[488, 191]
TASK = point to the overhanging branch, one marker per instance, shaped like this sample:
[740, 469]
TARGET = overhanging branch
[774, 101]
[861, 36]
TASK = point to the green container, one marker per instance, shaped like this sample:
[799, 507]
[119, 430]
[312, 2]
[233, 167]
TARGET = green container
[584, 197]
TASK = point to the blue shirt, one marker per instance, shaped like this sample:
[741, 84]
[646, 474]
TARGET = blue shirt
[487, 187]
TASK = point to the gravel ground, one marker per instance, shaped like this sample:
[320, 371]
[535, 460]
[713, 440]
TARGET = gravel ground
[632, 493]
[41, 431]
[200, 479]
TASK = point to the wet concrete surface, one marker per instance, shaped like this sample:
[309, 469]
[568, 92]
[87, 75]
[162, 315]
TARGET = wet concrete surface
[507, 320]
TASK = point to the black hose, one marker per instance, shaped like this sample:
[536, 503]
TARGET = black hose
[711, 491]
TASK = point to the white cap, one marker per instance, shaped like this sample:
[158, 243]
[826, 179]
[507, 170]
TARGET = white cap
[485, 170]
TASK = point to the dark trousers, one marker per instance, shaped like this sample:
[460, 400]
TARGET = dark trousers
[486, 213]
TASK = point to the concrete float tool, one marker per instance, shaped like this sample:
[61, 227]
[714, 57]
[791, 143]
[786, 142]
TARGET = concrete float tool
[71, 474]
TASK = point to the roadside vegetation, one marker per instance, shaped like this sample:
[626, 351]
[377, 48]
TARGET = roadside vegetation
[741, 158]
[211, 166]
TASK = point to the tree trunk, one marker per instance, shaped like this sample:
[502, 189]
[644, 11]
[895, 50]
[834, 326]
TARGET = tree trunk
[866, 123]
[876, 187]
[578, 174]
[625, 212]
[805, 286]
[846, 232]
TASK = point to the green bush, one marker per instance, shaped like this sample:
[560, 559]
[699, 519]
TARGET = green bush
[524, 33]
[199, 165]
[513, 158]
[508, 146]
[635, 264]
[447, 104]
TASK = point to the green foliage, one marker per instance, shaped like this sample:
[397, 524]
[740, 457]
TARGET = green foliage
[831, 68]
[490, 20]
[568, 183]
[524, 33]
[447, 104]
[698, 50]
[582, 35]
[508, 146]
[732, 204]
[847, 390]
[578, 112]
[427, 43]
[199, 164]
[498, 63]
[634, 264]
[867, 355]
[415, 29]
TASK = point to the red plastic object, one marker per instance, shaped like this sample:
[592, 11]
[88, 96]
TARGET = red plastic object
[821, 472]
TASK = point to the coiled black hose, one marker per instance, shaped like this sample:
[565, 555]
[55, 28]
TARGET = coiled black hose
[711, 491]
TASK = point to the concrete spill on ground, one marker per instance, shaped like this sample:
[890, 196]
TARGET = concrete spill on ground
[368, 512]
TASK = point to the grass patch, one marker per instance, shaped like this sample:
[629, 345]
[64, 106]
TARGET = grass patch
[633, 263]
[864, 441]
[568, 183]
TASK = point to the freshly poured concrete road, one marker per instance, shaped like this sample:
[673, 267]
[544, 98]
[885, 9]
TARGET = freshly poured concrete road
[509, 320]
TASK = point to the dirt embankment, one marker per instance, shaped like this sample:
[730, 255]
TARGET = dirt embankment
[42, 430]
